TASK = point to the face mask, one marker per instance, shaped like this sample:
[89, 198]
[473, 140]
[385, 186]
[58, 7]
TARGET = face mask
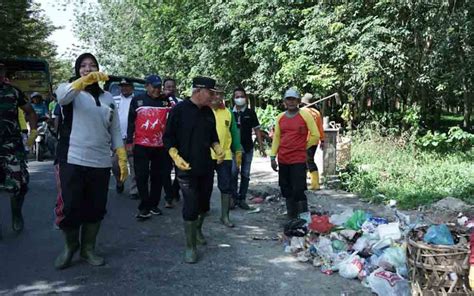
[239, 101]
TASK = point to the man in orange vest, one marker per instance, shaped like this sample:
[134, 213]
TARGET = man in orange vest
[312, 167]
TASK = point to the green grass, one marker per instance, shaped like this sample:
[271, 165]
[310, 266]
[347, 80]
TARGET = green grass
[449, 119]
[381, 169]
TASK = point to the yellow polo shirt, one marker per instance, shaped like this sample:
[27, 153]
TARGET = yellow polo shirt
[229, 136]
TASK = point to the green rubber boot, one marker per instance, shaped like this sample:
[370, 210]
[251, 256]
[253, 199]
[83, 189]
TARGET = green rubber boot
[200, 239]
[190, 255]
[225, 207]
[71, 237]
[16, 203]
[88, 238]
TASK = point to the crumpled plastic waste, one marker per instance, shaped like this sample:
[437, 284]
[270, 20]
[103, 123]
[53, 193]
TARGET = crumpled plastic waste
[324, 248]
[386, 283]
[257, 200]
[350, 267]
[438, 235]
[389, 231]
[303, 256]
[296, 244]
[340, 219]
[339, 245]
[320, 224]
[356, 220]
[348, 233]
[396, 258]
[305, 216]
[362, 243]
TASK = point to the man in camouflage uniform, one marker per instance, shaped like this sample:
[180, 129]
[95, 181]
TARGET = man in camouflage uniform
[13, 170]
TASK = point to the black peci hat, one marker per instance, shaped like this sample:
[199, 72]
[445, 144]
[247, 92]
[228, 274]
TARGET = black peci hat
[204, 82]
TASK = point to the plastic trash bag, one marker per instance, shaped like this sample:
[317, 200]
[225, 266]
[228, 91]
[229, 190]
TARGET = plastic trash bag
[396, 258]
[389, 231]
[386, 283]
[324, 248]
[439, 235]
[362, 243]
[296, 227]
[320, 224]
[356, 220]
[340, 219]
[350, 267]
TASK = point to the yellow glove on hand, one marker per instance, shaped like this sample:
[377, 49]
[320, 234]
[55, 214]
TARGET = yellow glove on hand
[238, 159]
[122, 162]
[178, 160]
[471, 277]
[31, 138]
[220, 154]
[91, 78]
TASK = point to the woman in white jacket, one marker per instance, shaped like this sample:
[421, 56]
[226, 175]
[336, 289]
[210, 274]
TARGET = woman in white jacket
[89, 129]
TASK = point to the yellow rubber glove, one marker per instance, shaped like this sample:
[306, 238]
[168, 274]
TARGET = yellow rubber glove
[122, 163]
[471, 277]
[220, 154]
[238, 159]
[91, 78]
[178, 160]
[31, 138]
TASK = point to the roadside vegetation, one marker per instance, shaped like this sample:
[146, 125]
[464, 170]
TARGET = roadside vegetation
[416, 167]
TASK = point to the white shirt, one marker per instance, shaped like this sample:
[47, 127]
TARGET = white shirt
[123, 106]
[94, 128]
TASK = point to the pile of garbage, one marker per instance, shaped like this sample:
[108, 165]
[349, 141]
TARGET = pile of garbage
[358, 245]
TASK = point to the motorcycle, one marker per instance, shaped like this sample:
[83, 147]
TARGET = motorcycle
[45, 141]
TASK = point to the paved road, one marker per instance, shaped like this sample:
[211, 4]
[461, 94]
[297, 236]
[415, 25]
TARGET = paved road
[145, 258]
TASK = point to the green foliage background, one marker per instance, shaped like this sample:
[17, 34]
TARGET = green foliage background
[24, 33]
[385, 54]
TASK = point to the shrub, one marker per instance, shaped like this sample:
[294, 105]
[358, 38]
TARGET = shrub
[381, 169]
[267, 116]
[455, 140]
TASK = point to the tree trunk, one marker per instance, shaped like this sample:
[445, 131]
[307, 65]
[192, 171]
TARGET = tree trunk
[467, 106]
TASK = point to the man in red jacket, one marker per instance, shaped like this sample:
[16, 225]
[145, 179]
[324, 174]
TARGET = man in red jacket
[146, 125]
[295, 131]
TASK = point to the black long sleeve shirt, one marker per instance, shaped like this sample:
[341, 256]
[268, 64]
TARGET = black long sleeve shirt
[192, 130]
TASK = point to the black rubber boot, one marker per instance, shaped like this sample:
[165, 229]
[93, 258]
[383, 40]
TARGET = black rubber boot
[225, 206]
[71, 237]
[291, 209]
[200, 239]
[302, 206]
[17, 216]
[89, 233]
[190, 255]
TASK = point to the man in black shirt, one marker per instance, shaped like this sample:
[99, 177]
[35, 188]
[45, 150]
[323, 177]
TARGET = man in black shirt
[246, 122]
[190, 135]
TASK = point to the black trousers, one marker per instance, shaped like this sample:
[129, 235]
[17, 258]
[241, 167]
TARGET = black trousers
[152, 172]
[312, 167]
[292, 181]
[82, 194]
[197, 191]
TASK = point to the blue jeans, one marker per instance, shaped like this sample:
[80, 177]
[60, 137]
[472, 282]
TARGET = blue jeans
[244, 175]
[224, 177]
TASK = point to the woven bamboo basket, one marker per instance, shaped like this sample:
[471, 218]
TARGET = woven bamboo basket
[439, 270]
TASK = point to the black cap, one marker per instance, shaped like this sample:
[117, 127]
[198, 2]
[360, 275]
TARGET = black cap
[204, 82]
[125, 81]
